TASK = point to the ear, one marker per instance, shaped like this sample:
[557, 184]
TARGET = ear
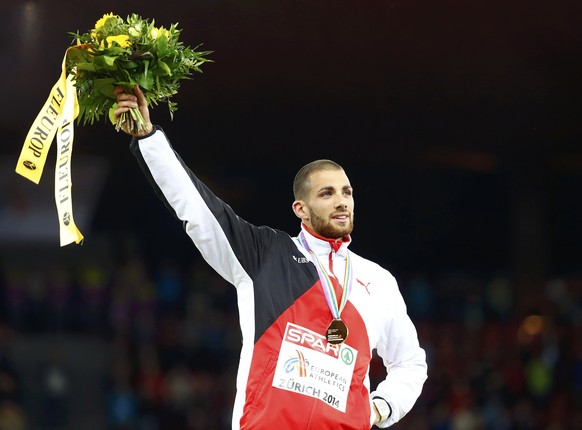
[300, 210]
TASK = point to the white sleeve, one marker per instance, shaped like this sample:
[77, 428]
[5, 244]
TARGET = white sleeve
[232, 246]
[404, 359]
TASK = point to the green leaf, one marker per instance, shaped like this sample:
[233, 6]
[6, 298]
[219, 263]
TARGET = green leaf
[116, 51]
[86, 66]
[129, 65]
[104, 62]
[146, 82]
[112, 113]
[76, 55]
[105, 86]
[162, 43]
[165, 68]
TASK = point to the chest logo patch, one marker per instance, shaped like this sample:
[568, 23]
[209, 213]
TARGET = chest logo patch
[310, 366]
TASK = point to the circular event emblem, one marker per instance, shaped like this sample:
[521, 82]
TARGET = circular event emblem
[66, 218]
[347, 355]
[29, 165]
[337, 332]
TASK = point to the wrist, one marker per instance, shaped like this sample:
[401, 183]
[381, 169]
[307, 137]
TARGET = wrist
[377, 416]
[146, 130]
[149, 129]
[382, 409]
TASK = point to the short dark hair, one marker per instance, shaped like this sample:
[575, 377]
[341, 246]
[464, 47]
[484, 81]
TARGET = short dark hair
[301, 182]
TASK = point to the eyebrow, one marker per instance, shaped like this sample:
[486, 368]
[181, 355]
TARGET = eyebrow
[331, 188]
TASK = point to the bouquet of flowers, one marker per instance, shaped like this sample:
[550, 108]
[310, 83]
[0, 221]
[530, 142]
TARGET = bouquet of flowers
[118, 52]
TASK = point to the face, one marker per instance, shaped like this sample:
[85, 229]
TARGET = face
[329, 208]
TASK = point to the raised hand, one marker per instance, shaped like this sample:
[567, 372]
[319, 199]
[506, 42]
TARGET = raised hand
[126, 102]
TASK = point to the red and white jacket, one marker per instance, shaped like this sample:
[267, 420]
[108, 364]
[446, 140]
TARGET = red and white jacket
[289, 377]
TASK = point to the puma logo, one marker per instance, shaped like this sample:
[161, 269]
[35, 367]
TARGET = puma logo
[364, 285]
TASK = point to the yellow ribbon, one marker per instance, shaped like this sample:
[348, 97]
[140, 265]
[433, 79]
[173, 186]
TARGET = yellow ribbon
[56, 117]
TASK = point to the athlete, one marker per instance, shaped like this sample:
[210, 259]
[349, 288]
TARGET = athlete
[311, 311]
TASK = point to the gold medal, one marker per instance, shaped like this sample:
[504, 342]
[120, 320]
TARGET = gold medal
[337, 332]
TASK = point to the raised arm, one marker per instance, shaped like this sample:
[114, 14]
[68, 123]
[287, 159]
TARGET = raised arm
[232, 246]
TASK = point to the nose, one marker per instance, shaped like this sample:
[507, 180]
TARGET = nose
[341, 203]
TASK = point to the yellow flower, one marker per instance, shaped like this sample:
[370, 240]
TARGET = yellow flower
[101, 21]
[122, 40]
[157, 32]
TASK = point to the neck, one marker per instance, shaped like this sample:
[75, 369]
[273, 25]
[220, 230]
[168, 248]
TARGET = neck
[334, 243]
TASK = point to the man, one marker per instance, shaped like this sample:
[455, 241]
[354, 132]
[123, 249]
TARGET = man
[311, 312]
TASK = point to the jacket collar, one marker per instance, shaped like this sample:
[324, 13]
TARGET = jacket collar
[322, 246]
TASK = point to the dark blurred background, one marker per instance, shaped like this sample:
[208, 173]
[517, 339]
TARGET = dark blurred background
[458, 125]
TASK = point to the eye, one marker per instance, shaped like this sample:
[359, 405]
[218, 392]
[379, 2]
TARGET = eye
[348, 193]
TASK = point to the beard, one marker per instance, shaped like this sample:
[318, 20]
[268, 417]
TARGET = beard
[325, 228]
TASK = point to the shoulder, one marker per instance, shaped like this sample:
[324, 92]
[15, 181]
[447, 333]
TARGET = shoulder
[372, 267]
[276, 236]
[379, 282]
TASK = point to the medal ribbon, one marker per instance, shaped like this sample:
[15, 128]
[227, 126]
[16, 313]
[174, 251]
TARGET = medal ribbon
[335, 306]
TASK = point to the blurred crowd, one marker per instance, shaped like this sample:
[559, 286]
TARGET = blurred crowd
[500, 357]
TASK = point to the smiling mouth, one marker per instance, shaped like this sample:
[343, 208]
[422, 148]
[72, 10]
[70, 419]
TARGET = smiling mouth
[341, 218]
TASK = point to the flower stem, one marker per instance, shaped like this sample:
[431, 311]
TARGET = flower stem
[131, 122]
